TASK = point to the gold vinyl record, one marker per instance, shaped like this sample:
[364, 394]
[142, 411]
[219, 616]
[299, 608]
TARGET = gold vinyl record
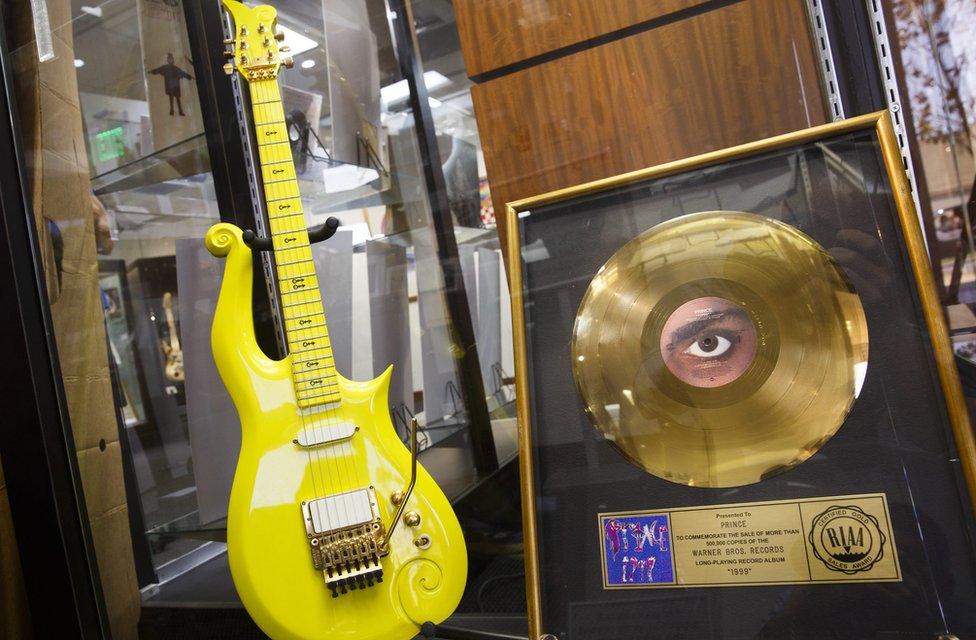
[719, 348]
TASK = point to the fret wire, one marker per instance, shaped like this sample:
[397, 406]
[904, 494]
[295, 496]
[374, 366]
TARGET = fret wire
[325, 357]
[324, 385]
[317, 331]
[311, 326]
[309, 349]
[285, 264]
[268, 144]
[327, 367]
[317, 395]
[298, 246]
[306, 315]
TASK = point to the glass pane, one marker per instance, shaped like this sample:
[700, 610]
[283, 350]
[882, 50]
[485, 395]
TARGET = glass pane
[133, 288]
[935, 47]
[120, 178]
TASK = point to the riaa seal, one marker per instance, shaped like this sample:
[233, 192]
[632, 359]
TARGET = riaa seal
[847, 539]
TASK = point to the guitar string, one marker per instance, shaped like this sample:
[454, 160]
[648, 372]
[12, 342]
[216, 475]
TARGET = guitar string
[267, 91]
[337, 455]
[259, 96]
[344, 450]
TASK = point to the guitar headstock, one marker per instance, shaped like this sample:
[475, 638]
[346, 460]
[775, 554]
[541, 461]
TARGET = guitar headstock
[256, 49]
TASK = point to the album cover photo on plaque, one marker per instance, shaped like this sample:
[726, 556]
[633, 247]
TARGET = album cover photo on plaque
[739, 413]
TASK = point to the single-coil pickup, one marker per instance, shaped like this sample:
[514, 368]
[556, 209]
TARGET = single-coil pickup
[315, 436]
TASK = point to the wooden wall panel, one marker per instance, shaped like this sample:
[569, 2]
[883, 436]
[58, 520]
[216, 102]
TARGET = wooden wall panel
[726, 77]
[497, 33]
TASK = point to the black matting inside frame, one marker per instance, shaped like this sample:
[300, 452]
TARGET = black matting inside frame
[896, 440]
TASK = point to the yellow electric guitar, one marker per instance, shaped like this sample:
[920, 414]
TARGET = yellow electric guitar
[333, 530]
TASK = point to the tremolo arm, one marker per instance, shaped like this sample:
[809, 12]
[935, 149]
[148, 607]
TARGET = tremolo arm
[403, 496]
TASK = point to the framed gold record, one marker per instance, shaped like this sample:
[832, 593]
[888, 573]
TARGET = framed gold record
[733, 371]
[692, 356]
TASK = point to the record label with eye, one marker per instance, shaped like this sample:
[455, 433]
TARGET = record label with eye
[719, 348]
[708, 342]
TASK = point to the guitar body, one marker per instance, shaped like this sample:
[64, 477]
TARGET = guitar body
[269, 552]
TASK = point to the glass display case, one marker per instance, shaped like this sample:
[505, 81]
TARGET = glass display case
[130, 133]
[413, 276]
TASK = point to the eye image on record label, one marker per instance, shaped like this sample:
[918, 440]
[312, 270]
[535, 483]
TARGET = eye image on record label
[708, 342]
[719, 349]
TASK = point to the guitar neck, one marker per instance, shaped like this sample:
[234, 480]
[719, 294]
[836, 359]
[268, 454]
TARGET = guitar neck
[306, 331]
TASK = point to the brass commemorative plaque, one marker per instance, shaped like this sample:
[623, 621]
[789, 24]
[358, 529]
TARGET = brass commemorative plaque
[822, 540]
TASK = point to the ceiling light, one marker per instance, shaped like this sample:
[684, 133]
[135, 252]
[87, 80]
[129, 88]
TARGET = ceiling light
[79, 63]
[308, 64]
[299, 44]
[399, 90]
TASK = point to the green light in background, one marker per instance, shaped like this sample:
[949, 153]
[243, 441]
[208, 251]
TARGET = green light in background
[110, 144]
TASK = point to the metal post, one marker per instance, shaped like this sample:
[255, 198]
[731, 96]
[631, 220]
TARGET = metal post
[472, 386]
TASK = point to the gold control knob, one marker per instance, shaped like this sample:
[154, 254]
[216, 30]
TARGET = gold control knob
[411, 519]
[280, 36]
[229, 68]
[397, 498]
[288, 61]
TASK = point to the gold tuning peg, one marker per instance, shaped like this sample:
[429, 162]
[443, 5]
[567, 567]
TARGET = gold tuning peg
[228, 41]
[229, 69]
[228, 54]
[288, 61]
[280, 36]
[284, 48]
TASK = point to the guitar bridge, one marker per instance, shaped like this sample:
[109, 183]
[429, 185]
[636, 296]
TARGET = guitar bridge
[347, 539]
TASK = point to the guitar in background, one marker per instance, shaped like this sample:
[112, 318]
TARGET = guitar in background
[171, 346]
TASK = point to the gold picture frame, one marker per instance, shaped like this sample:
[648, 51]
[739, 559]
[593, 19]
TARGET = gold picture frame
[881, 124]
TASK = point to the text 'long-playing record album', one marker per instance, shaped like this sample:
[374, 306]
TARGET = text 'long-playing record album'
[758, 431]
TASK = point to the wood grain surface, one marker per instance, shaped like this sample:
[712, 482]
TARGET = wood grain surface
[496, 33]
[740, 73]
